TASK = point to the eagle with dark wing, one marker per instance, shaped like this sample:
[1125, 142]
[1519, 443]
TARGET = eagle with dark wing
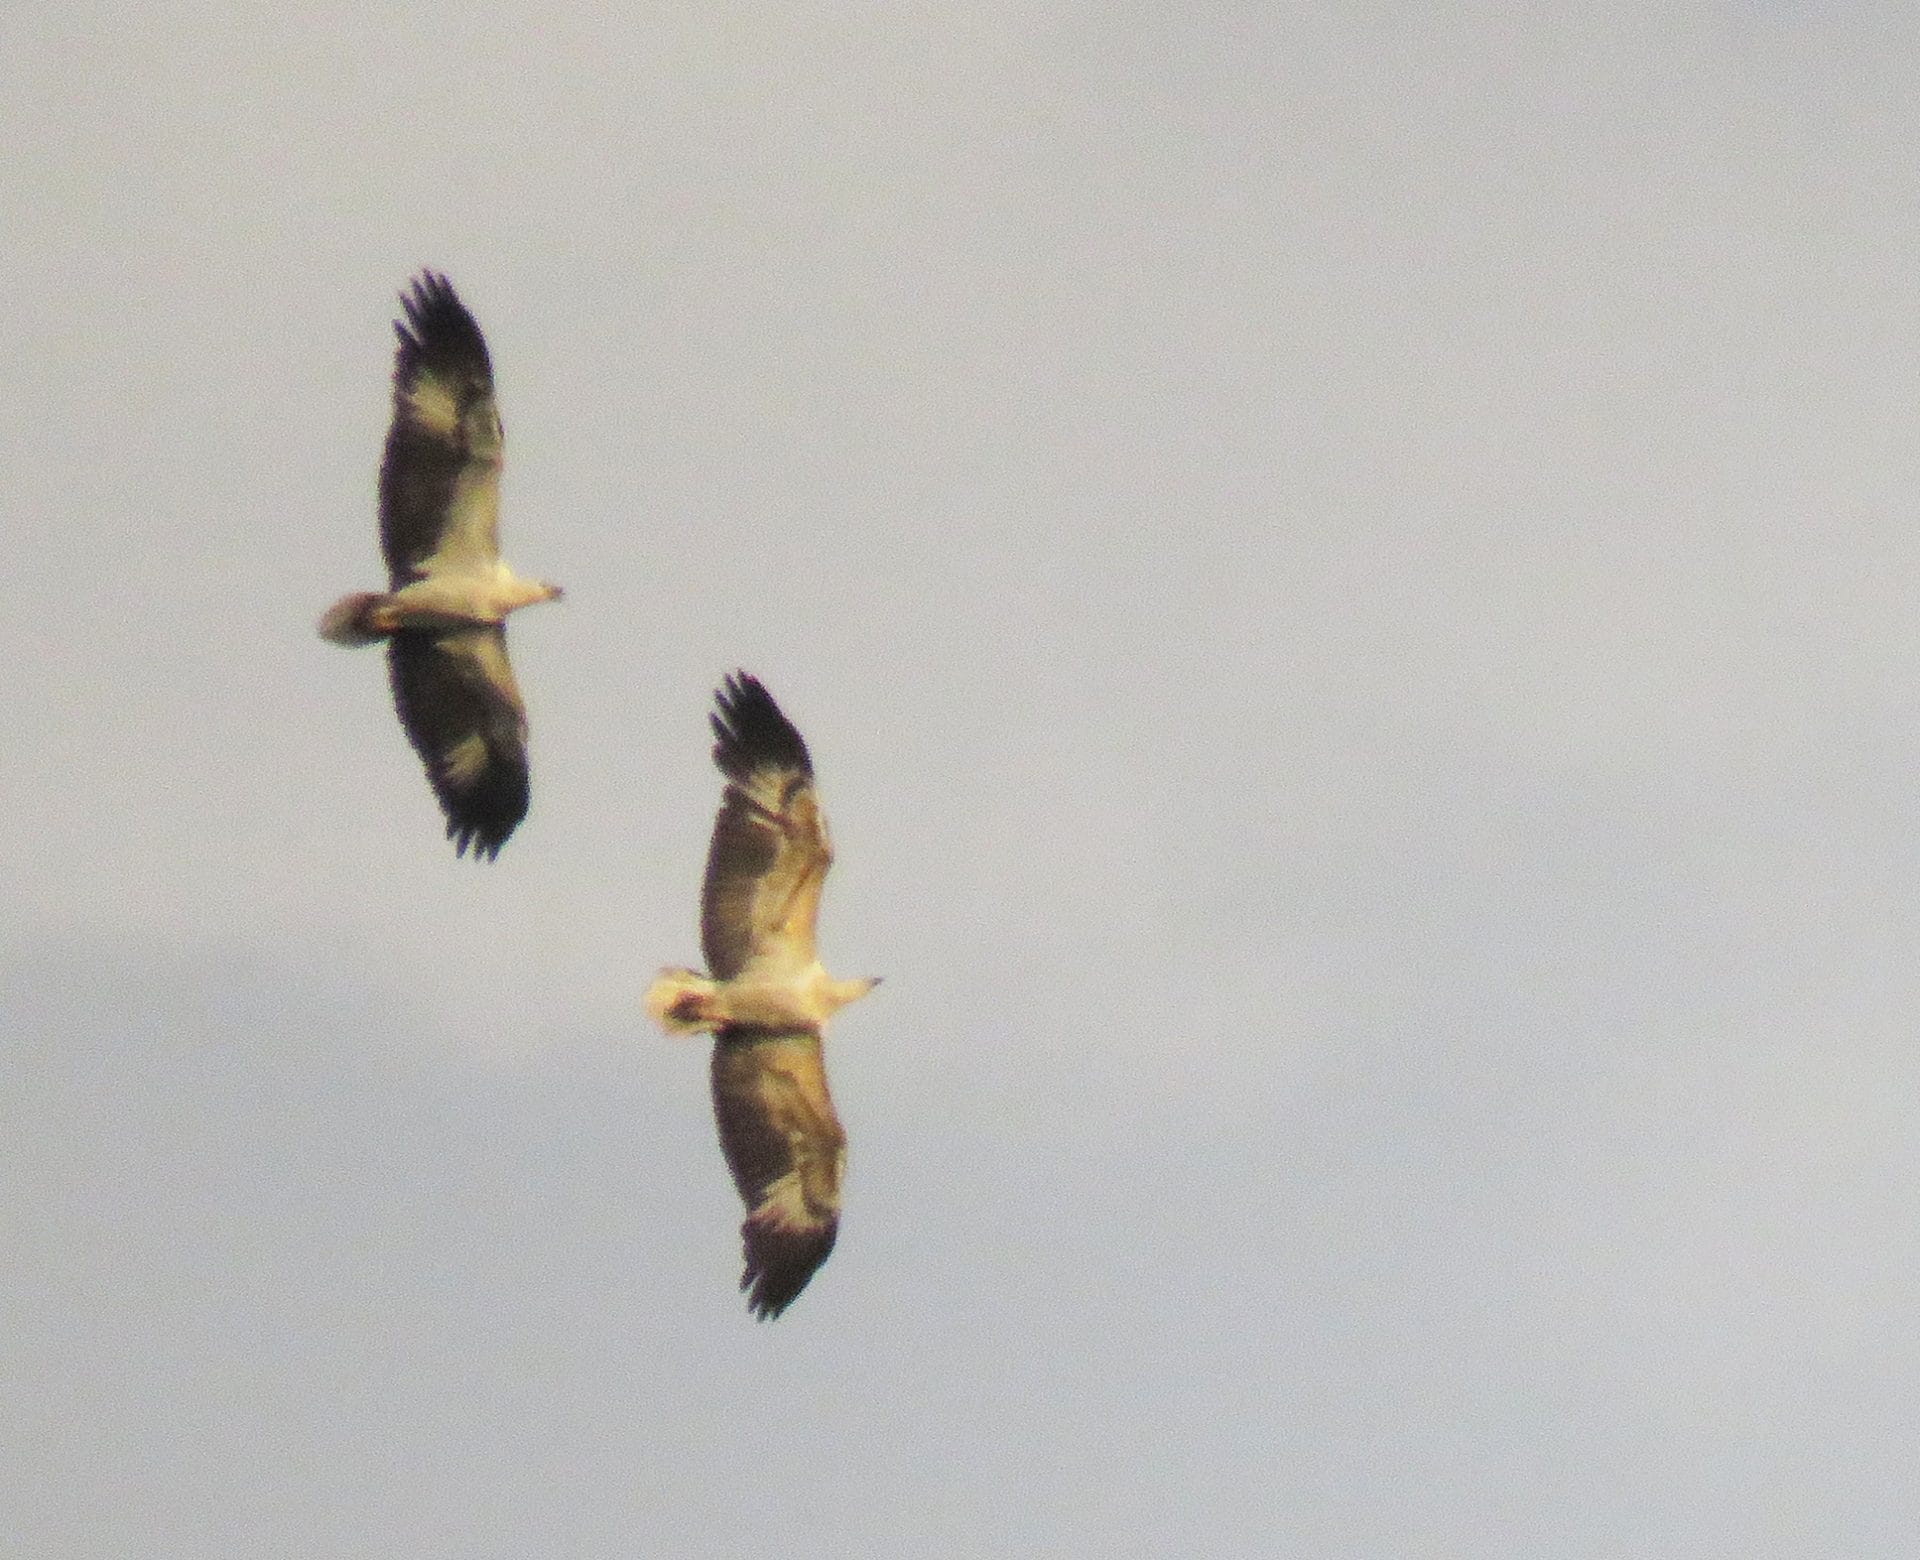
[766, 998]
[444, 611]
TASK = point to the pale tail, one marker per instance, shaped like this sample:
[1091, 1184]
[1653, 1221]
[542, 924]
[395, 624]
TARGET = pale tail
[349, 620]
[681, 1002]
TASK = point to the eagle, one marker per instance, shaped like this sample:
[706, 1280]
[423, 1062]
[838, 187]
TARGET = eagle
[766, 998]
[448, 594]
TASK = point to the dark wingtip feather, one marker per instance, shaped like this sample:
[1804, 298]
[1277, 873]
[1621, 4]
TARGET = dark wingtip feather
[485, 816]
[781, 1263]
[486, 839]
[751, 732]
[438, 330]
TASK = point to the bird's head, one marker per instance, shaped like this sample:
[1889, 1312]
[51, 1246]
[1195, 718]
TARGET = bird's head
[844, 991]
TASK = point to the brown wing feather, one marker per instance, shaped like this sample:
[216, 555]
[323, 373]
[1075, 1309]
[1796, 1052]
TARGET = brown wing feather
[768, 860]
[461, 707]
[440, 478]
[787, 1151]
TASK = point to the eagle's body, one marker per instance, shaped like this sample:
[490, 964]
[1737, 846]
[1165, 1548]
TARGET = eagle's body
[450, 598]
[767, 998]
[449, 593]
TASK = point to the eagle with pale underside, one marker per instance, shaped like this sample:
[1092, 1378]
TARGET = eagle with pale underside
[766, 999]
[443, 615]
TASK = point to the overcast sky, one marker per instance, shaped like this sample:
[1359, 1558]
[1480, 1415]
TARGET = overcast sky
[1348, 572]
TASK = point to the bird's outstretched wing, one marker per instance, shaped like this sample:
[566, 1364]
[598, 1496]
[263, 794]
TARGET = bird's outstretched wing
[787, 1152]
[462, 711]
[440, 478]
[770, 851]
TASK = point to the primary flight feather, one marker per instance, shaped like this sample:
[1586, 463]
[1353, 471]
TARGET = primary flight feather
[766, 998]
[448, 595]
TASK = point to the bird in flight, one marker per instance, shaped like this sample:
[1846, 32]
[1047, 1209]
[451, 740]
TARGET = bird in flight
[444, 611]
[766, 998]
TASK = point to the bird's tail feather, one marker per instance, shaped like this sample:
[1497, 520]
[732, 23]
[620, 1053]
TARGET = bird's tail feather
[351, 619]
[682, 1002]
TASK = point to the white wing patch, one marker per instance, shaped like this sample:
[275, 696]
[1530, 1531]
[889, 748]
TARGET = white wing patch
[783, 1206]
[433, 406]
[464, 760]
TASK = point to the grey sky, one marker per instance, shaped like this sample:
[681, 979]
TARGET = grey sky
[1347, 571]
